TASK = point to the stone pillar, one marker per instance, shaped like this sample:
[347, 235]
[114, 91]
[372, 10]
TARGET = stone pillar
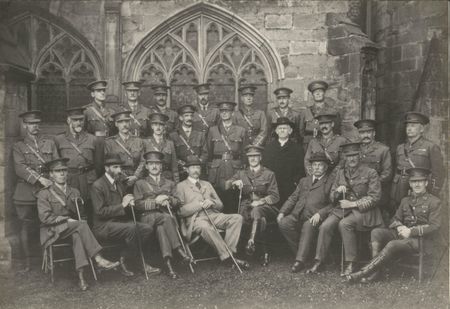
[368, 82]
[113, 46]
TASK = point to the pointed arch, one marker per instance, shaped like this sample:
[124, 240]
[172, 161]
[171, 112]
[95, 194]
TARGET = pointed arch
[209, 39]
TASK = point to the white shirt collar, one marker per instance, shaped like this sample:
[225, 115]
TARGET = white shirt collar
[282, 143]
[255, 169]
[318, 178]
[194, 181]
[155, 178]
[110, 179]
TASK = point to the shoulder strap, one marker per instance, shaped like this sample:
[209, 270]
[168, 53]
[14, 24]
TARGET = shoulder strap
[97, 113]
[135, 120]
[203, 120]
[407, 156]
[79, 152]
[123, 147]
[57, 197]
[35, 153]
[246, 118]
[187, 145]
[224, 139]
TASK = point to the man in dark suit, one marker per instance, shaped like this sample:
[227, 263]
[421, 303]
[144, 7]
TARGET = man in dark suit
[301, 215]
[284, 157]
[110, 220]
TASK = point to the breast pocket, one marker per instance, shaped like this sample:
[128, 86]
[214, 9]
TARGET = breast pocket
[360, 185]
[420, 157]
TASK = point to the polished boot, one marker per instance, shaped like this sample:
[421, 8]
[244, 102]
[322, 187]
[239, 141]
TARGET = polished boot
[184, 257]
[172, 274]
[379, 260]
[123, 268]
[82, 283]
[298, 266]
[150, 270]
[104, 264]
[251, 248]
[376, 248]
[26, 267]
[316, 268]
[348, 269]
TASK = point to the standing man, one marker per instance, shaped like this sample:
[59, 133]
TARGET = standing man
[226, 142]
[419, 214]
[30, 156]
[206, 116]
[129, 148]
[259, 205]
[154, 195]
[187, 140]
[79, 148]
[198, 198]
[285, 158]
[139, 125]
[110, 220]
[98, 119]
[60, 219]
[301, 215]
[320, 105]
[160, 94]
[376, 156]
[158, 142]
[283, 96]
[416, 152]
[252, 120]
[326, 141]
[357, 191]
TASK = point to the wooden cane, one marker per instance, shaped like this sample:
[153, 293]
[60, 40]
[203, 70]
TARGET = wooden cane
[138, 234]
[181, 239]
[226, 246]
[79, 218]
[342, 240]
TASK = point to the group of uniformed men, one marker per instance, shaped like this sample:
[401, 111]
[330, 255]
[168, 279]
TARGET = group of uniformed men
[219, 168]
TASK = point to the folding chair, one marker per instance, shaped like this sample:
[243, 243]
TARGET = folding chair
[49, 260]
[204, 248]
[419, 260]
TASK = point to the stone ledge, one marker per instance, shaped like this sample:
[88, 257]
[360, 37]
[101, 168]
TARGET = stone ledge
[278, 21]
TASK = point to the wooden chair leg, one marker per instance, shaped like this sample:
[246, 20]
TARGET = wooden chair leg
[52, 278]
[420, 260]
[342, 257]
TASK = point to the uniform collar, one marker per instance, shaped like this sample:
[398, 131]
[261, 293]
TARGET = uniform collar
[155, 179]
[415, 142]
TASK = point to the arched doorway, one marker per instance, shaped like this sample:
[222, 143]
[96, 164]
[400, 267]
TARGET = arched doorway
[204, 43]
[64, 63]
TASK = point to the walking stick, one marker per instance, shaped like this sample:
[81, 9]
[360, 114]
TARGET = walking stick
[226, 246]
[342, 240]
[181, 239]
[79, 218]
[240, 198]
[138, 234]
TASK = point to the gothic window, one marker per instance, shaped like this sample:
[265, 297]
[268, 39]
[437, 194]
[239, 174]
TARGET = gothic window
[62, 62]
[202, 44]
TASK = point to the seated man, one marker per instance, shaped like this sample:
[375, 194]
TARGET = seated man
[356, 190]
[259, 198]
[60, 218]
[301, 215]
[200, 203]
[110, 220]
[418, 215]
[154, 195]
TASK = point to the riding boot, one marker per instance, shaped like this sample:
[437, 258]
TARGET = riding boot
[25, 248]
[374, 264]
[251, 248]
[172, 274]
[376, 247]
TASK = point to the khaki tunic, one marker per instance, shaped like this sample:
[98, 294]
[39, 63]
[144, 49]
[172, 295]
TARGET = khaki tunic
[205, 119]
[257, 130]
[170, 161]
[132, 156]
[139, 125]
[331, 148]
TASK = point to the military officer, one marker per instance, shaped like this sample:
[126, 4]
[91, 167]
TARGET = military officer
[158, 142]
[139, 114]
[301, 215]
[285, 158]
[30, 156]
[252, 120]
[61, 217]
[153, 195]
[326, 141]
[226, 142]
[283, 96]
[417, 151]
[356, 190]
[419, 214]
[110, 220]
[200, 204]
[160, 94]
[187, 140]
[376, 155]
[79, 147]
[320, 105]
[130, 148]
[206, 115]
[98, 119]
[259, 205]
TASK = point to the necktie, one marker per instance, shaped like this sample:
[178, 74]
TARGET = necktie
[197, 184]
[315, 180]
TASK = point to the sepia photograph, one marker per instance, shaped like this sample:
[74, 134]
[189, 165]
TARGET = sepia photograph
[224, 154]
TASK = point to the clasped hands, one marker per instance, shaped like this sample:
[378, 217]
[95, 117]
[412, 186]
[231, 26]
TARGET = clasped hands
[345, 204]
[403, 231]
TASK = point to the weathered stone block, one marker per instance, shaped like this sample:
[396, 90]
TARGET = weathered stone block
[307, 47]
[411, 51]
[342, 64]
[396, 53]
[332, 6]
[309, 21]
[278, 21]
